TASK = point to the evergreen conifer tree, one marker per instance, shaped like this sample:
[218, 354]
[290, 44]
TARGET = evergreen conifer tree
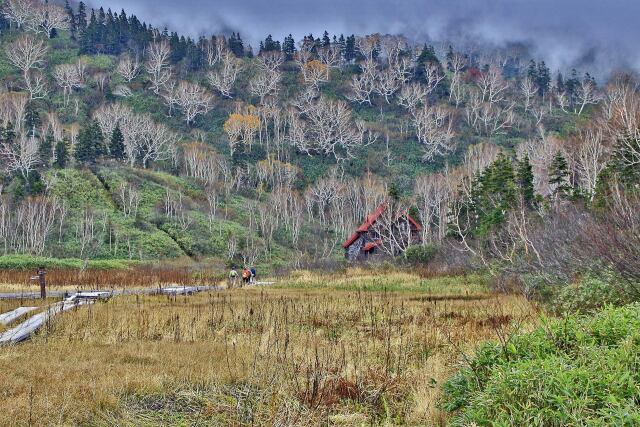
[116, 144]
[427, 56]
[543, 78]
[289, 47]
[71, 19]
[350, 48]
[32, 119]
[494, 194]
[559, 177]
[45, 151]
[90, 144]
[81, 19]
[62, 155]
[524, 176]
[8, 134]
[326, 41]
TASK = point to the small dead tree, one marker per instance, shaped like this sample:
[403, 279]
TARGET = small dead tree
[529, 90]
[129, 198]
[213, 200]
[176, 211]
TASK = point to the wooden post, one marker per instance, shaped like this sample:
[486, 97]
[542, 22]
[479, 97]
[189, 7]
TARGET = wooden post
[43, 282]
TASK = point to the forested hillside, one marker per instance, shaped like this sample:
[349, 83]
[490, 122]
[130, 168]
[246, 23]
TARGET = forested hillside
[122, 140]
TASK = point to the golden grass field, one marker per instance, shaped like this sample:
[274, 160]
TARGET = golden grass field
[344, 349]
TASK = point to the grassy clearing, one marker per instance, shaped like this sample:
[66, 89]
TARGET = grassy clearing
[290, 356]
[372, 281]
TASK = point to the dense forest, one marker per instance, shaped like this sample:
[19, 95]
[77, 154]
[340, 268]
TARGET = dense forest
[124, 141]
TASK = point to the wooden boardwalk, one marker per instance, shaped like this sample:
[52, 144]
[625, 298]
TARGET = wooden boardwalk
[12, 315]
[24, 330]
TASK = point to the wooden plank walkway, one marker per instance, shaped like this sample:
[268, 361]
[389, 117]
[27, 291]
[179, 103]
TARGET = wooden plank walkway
[24, 330]
[12, 315]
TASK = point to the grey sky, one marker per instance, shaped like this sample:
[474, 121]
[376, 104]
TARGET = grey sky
[563, 32]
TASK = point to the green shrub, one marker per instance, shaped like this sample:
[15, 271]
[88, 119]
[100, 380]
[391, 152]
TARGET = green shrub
[592, 293]
[570, 372]
[422, 254]
[101, 62]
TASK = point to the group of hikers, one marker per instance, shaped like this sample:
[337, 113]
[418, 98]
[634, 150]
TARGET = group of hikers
[248, 276]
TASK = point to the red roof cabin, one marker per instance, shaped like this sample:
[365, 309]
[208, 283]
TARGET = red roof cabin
[366, 240]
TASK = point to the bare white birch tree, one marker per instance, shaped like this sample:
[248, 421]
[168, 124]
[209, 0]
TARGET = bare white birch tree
[158, 66]
[586, 94]
[364, 84]
[434, 129]
[69, 77]
[26, 53]
[224, 79]
[128, 68]
[192, 99]
[21, 155]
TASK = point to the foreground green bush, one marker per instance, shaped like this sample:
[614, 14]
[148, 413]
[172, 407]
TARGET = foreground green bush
[571, 372]
[592, 293]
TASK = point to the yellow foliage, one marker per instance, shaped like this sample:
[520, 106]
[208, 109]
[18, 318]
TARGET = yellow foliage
[241, 122]
[315, 66]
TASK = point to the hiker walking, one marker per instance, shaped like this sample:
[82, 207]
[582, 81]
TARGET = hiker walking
[233, 277]
[253, 274]
[246, 276]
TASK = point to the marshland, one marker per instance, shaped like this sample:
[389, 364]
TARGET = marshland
[346, 348]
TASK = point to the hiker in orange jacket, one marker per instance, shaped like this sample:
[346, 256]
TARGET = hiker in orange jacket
[246, 275]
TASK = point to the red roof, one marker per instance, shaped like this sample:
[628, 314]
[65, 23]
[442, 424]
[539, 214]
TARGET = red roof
[350, 240]
[369, 221]
[372, 218]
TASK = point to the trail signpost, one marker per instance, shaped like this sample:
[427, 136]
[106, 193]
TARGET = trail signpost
[42, 281]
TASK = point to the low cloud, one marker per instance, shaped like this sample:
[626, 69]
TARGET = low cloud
[595, 35]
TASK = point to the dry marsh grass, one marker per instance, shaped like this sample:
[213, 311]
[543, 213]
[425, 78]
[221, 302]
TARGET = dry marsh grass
[302, 354]
[135, 277]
